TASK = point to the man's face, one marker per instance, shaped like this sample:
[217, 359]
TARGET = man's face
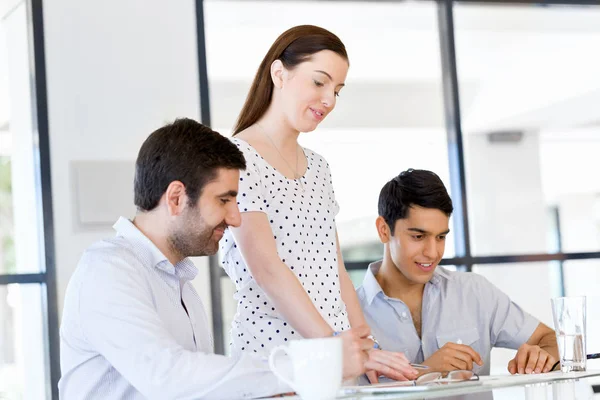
[418, 243]
[199, 228]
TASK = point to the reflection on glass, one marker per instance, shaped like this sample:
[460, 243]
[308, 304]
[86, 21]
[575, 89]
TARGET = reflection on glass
[570, 324]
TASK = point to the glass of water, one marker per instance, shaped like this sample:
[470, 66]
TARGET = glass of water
[569, 324]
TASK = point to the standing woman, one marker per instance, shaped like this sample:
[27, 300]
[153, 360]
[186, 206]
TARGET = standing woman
[285, 257]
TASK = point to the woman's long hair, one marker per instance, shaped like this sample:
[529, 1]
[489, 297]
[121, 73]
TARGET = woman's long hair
[292, 47]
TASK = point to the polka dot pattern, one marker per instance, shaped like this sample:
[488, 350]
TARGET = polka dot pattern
[303, 225]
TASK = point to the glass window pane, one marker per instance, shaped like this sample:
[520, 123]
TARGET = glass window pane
[20, 250]
[388, 118]
[529, 90]
[22, 343]
[529, 96]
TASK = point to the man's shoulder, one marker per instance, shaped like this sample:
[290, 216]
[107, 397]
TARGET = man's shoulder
[115, 247]
[114, 252]
[464, 281]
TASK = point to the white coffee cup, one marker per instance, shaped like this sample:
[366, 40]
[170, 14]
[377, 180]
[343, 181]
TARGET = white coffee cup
[317, 367]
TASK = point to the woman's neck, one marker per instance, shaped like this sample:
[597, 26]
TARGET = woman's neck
[277, 128]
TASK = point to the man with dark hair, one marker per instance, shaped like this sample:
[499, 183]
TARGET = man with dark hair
[442, 319]
[133, 326]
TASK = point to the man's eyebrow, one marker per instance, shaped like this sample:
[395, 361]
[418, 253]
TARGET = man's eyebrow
[329, 76]
[229, 193]
[423, 231]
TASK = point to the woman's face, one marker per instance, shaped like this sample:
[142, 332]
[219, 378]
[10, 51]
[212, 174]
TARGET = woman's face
[309, 91]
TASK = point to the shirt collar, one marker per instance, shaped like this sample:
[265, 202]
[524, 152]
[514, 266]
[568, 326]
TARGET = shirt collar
[185, 269]
[439, 274]
[370, 284]
[372, 288]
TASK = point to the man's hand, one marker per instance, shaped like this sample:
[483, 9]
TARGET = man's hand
[391, 364]
[531, 359]
[355, 346]
[453, 356]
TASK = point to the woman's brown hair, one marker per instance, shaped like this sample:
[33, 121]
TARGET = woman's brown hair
[292, 47]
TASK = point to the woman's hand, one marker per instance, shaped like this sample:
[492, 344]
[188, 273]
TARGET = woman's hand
[393, 365]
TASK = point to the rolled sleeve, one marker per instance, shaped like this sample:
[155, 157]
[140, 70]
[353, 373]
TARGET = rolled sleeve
[510, 325]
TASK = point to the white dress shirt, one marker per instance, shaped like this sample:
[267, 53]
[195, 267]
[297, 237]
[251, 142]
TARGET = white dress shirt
[125, 334]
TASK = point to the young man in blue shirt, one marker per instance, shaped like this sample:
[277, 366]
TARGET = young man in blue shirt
[445, 320]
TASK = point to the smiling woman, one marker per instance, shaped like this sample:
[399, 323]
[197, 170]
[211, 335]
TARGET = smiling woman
[285, 257]
[283, 190]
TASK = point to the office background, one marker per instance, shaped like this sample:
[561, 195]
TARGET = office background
[499, 98]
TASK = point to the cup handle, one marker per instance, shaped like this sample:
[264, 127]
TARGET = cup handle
[284, 379]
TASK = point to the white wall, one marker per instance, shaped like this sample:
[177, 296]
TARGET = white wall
[116, 71]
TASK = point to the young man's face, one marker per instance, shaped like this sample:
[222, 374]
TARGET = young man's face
[199, 228]
[418, 243]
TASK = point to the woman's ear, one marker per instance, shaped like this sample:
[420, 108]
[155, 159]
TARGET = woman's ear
[383, 230]
[277, 73]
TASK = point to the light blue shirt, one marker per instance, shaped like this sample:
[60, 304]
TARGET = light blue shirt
[125, 334]
[458, 307]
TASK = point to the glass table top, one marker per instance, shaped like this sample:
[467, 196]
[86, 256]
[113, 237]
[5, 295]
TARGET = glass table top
[553, 386]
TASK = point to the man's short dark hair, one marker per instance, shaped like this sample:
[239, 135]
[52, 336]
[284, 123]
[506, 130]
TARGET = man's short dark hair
[184, 151]
[413, 187]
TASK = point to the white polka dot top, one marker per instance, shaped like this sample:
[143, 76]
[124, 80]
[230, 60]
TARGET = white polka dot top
[302, 218]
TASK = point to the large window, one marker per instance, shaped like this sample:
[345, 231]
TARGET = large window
[388, 118]
[528, 85]
[498, 99]
[28, 328]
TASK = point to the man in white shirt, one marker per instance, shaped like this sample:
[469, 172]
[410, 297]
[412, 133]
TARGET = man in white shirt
[133, 326]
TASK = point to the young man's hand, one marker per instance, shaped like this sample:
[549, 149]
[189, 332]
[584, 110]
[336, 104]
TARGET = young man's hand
[453, 356]
[531, 359]
[393, 365]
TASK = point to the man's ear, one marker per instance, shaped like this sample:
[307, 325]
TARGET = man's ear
[383, 230]
[277, 73]
[175, 198]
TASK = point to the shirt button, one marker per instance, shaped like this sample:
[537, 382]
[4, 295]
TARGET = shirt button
[459, 341]
[404, 315]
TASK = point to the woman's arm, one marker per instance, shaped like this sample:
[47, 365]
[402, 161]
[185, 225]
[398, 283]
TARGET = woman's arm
[258, 247]
[355, 314]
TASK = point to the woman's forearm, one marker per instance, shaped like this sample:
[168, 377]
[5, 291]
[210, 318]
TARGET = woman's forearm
[355, 314]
